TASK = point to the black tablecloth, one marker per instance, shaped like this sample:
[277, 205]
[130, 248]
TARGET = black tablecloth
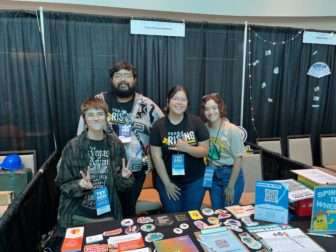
[329, 244]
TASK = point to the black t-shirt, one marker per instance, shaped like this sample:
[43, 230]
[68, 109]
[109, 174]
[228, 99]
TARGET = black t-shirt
[99, 163]
[165, 134]
[119, 111]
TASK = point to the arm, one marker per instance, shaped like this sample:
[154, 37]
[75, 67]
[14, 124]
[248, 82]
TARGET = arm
[172, 190]
[237, 150]
[67, 180]
[121, 182]
[199, 151]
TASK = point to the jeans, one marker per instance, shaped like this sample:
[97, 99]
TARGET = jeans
[129, 197]
[220, 181]
[191, 196]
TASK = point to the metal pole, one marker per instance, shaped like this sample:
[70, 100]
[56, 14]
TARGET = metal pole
[243, 76]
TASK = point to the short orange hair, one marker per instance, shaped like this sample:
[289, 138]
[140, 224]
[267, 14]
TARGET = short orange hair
[95, 103]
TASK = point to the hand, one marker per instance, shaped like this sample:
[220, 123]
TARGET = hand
[173, 191]
[229, 195]
[85, 182]
[125, 171]
[182, 145]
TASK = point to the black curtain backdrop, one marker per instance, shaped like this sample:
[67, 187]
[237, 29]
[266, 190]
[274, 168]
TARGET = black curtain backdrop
[25, 121]
[281, 99]
[81, 48]
[213, 63]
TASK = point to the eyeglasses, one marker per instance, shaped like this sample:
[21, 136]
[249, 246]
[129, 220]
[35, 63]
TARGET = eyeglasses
[93, 115]
[211, 95]
[123, 75]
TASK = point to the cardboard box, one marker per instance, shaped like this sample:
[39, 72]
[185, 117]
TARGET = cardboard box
[15, 181]
[6, 197]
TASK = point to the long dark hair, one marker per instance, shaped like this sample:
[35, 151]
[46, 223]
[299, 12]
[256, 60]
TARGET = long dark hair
[173, 92]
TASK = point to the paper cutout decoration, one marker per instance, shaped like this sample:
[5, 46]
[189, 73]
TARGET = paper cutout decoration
[268, 52]
[319, 70]
[243, 133]
[315, 106]
[263, 85]
[270, 100]
[316, 98]
[276, 70]
[315, 52]
[316, 89]
[255, 62]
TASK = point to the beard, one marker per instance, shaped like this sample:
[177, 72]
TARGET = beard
[123, 93]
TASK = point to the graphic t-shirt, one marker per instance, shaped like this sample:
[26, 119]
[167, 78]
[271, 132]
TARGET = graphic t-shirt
[165, 135]
[99, 162]
[125, 122]
[229, 143]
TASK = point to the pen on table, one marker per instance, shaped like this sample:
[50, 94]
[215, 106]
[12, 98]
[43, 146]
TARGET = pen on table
[322, 235]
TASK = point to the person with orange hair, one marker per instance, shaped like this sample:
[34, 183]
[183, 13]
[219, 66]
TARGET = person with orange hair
[91, 170]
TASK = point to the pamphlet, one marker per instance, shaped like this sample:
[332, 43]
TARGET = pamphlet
[323, 218]
[289, 240]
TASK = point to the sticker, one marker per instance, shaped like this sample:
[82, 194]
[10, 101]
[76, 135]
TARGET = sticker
[127, 222]
[113, 232]
[232, 222]
[250, 241]
[132, 229]
[164, 220]
[234, 228]
[181, 217]
[213, 220]
[144, 220]
[177, 230]
[207, 211]
[96, 248]
[94, 238]
[223, 216]
[184, 225]
[153, 237]
[148, 227]
[200, 224]
[195, 215]
[220, 211]
[248, 221]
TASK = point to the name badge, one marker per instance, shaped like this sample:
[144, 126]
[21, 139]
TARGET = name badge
[208, 176]
[178, 164]
[124, 132]
[102, 201]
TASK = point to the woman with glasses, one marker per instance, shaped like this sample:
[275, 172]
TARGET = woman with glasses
[179, 141]
[225, 153]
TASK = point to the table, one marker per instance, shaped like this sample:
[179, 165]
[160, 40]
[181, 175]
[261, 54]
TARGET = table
[329, 244]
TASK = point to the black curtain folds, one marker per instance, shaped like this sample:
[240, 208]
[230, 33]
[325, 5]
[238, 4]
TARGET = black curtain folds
[25, 121]
[281, 99]
[213, 63]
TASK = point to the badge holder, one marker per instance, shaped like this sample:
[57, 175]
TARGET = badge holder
[102, 201]
[178, 168]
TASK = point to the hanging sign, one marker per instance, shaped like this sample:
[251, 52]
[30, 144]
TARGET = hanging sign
[158, 28]
[324, 38]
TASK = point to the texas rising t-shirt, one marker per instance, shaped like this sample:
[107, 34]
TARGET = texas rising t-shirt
[99, 162]
[164, 134]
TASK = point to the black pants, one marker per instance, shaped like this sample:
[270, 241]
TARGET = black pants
[129, 197]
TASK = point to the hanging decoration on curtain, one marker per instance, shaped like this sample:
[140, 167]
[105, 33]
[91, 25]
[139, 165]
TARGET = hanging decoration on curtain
[255, 62]
[319, 70]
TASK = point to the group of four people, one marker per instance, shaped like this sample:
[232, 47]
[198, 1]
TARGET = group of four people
[101, 171]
